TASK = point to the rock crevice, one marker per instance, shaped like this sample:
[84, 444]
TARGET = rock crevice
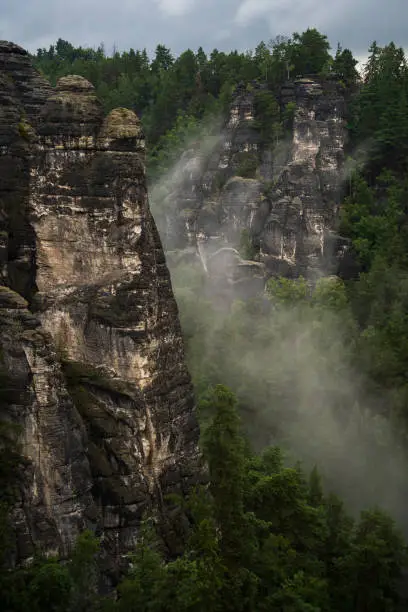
[111, 411]
[283, 194]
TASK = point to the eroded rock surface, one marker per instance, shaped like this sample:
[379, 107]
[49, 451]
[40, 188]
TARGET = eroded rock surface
[55, 502]
[289, 204]
[105, 355]
[298, 225]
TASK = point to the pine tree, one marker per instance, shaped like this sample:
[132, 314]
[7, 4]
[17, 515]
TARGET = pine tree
[145, 587]
[224, 449]
[344, 65]
[378, 555]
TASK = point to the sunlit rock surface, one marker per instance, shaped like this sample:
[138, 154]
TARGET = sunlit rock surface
[305, 193]
[55, 501]
[289, 207]
[79, 243]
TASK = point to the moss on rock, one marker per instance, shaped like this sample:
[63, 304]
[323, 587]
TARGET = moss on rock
[25, 130]
[122, 123]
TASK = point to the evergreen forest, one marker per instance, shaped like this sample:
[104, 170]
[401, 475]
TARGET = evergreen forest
[275, 530]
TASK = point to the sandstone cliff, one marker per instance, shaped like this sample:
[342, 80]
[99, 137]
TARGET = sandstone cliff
[108, 414]
[287, 203]
[298, 225]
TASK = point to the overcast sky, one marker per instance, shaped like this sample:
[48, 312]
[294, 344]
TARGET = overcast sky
[182, 24]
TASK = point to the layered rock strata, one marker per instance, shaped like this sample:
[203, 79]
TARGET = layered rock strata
[299, 223]
[55, 500]
[289, 205]
[80, 245]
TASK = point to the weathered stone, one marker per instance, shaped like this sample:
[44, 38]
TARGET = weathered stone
[289, 209]
[121, 123]
[79, 246]
[72, 113]
[305, 196]
[56, 485]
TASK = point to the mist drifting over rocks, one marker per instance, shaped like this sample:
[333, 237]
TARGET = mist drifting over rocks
[291, 363]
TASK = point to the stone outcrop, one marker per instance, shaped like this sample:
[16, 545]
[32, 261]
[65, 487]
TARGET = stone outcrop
[56, 499]
[108, 418]
[205, 196]
[22, 94]
[288, 205]
[298, 226]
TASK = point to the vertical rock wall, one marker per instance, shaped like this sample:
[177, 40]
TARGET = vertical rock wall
[108, 424]
[54, 503]
[104, 294]
[303, 200]
[289, 206]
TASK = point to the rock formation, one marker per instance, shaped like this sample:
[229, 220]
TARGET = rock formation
[55, 501]
[298, 225]
[288, 204]
[108, 415]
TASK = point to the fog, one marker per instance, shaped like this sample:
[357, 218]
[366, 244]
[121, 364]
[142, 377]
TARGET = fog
[292, 367]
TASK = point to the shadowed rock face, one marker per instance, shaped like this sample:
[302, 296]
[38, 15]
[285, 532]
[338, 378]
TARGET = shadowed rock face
[96, 277]
[22, 94]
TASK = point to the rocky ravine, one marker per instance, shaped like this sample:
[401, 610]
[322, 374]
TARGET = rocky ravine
[90, 327]
[289, 208]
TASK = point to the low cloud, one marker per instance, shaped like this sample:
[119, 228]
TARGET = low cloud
[175, 8]
[194, 23]
[292, 368]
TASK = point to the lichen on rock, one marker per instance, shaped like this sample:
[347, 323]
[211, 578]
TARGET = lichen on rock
[71, 111]
[121, 123]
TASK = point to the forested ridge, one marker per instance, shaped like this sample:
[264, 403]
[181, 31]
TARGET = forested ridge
[174, 95]
[268, 533]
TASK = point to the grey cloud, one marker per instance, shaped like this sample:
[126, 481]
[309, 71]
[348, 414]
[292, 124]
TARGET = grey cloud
[181, 24]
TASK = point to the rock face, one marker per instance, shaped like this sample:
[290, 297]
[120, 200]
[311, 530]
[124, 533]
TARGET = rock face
[56, 499]
[298, 225]
[104, 352]
[22, 94]
[284, 196]
[205, 195]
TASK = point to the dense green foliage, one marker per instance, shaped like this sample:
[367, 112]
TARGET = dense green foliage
[374, 218]
[321, 369]
[263, 537]
[280, 543]
[267, 116]
[172, 94]
[48, 585]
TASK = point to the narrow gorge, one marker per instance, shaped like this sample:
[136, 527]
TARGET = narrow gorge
[90, 332]
[91, 343]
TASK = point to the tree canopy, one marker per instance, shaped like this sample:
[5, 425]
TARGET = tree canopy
[302, 366]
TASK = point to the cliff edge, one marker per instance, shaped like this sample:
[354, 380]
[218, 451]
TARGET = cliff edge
[90, 325]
